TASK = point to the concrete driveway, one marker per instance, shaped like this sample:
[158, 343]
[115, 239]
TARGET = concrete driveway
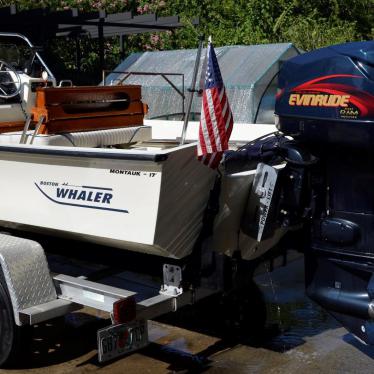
[299, 338]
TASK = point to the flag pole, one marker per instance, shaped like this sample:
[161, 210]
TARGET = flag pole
[192, 90]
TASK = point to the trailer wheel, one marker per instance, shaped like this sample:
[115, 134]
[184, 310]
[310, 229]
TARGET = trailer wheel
[14, 339]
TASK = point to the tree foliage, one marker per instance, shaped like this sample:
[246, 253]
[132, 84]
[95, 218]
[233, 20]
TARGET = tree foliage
[307, 24]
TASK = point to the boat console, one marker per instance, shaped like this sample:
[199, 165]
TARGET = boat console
[31, 103]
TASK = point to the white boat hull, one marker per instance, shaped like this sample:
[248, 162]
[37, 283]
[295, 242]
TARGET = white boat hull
[143, 201]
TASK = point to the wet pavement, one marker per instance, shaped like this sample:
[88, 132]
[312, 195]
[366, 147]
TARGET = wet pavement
[298, 337]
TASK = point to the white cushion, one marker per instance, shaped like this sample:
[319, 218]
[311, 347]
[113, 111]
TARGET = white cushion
[90, 139]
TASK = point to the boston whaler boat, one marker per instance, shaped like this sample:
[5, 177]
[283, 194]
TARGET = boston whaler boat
[80, 162]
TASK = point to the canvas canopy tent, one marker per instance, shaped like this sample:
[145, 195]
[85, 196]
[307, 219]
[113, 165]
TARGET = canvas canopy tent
[249, 74]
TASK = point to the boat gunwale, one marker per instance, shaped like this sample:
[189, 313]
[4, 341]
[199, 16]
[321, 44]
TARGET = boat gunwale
[57, 151]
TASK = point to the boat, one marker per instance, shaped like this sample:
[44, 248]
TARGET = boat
[82, 163]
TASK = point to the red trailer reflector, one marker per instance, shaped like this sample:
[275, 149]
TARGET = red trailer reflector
[124, 310]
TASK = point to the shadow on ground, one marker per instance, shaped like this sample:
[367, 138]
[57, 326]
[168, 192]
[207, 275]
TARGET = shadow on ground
[273, 314]
[60, 341]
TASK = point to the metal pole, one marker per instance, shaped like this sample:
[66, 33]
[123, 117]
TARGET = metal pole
[78, 53]
[122, 46]
[183, 111]
[192, 90]
[101, 44]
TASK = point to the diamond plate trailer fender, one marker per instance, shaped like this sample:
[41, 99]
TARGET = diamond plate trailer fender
[26, 274]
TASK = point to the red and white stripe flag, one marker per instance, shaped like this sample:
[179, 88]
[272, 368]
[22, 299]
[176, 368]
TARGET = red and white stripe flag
[216, 120]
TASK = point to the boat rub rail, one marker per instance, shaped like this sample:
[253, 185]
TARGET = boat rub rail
[92, 154]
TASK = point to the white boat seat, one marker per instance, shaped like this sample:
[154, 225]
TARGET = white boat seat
[89, 139]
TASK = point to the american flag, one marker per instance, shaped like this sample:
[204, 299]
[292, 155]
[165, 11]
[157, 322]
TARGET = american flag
[216, 120]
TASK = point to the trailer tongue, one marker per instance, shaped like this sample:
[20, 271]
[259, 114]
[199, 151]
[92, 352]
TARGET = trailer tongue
[326, 103]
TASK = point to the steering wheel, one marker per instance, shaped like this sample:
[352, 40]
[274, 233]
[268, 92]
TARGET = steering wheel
[10, 81]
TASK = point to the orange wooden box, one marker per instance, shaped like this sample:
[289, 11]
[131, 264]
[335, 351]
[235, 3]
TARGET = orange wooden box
[69, 109]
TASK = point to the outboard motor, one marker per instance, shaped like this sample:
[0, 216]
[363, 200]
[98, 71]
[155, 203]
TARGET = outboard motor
[326, 104]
